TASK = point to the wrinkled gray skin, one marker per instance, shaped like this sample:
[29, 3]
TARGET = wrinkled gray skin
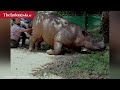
[57, 32]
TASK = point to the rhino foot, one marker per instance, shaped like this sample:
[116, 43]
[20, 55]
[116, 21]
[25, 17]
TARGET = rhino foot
[50, 52]
[30, 49]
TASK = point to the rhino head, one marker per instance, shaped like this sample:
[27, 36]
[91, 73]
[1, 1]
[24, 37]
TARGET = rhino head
[91, 43]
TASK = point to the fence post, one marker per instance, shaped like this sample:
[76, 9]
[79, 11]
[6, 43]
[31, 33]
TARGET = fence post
[86, 20]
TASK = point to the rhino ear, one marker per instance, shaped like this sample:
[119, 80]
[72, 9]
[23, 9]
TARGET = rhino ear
[84, 33]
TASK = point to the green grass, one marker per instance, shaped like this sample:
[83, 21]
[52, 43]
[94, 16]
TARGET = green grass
[97, 64]
[84, 66]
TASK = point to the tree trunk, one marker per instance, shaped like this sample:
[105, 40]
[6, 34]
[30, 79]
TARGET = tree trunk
[104, 27]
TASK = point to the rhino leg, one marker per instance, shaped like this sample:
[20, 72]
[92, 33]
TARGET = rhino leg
[32, 43]
[37, 43]
[57, 49]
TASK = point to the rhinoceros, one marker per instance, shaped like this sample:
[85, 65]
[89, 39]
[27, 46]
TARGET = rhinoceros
[58, 32]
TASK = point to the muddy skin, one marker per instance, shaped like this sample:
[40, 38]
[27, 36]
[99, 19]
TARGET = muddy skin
[59, 33]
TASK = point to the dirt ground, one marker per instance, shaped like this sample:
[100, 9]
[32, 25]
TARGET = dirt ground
[24, 63]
